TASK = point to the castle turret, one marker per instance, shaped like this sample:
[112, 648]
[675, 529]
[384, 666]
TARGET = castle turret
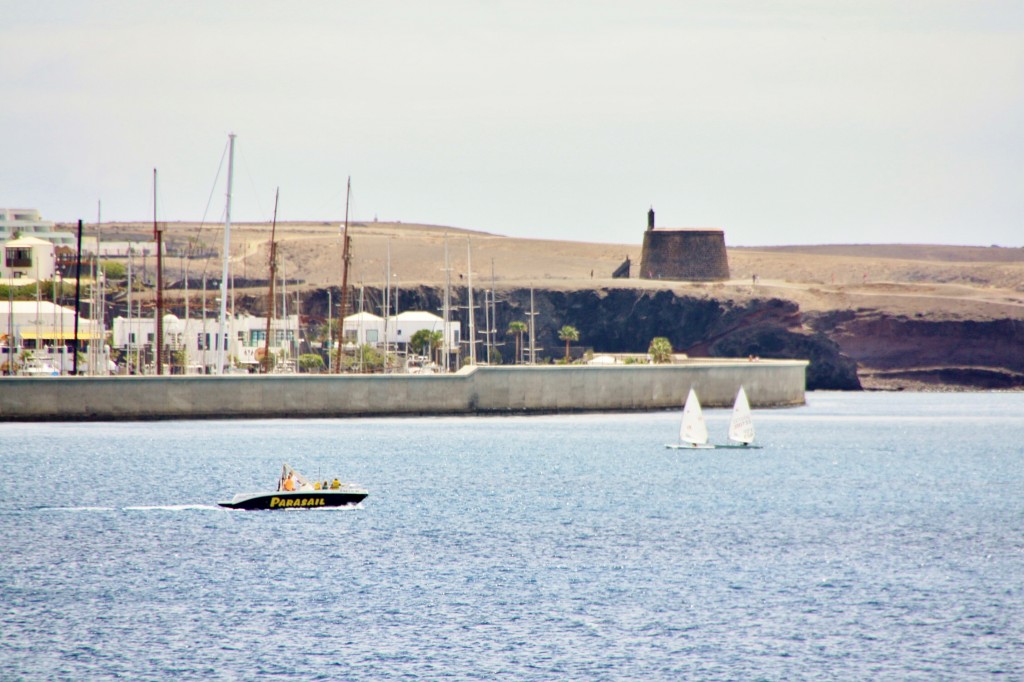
[685, 254]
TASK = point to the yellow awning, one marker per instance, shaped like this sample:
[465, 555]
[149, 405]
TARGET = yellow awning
[58, 336]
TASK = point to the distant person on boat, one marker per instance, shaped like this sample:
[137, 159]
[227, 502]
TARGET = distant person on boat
[335, 484]
[289, 483]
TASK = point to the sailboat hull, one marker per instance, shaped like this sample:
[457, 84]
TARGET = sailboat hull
[738, 446]
[305, 499]
[688, 446]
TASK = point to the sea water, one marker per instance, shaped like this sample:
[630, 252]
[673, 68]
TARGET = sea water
[875, 536]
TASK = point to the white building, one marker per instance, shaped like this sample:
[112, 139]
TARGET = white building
[402, 327]
[363, 329]
[397, 330]
[27, 259]
[28, 223]
[199, 341]
[46, 332]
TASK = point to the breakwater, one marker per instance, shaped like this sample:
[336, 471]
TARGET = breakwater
[475, 390]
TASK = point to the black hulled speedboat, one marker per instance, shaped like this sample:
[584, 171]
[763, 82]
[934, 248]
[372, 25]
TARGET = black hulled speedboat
[295, 492]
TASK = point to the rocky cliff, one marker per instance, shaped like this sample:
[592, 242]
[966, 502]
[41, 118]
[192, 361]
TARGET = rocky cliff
[624, 320]
[845, 347]
[896, 351]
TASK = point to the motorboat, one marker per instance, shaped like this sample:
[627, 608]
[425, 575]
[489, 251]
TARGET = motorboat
[294, 491]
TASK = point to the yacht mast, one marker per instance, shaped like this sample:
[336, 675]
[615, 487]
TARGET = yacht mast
[270, 296]
[533, 349]
[222, 326]
[387, 310]
[447, 309]
[345, 257]
[94, 346]
[129, 315]
[158, 235]
[469, 283]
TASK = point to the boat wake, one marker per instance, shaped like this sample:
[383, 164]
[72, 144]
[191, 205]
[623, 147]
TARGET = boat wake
[77, 509]
[172, 507]
[155, 507]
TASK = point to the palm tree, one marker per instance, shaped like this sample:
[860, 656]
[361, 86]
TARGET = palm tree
[568, 333]
[660, 350]
[436, 338]
[427, 342]
[518, 328]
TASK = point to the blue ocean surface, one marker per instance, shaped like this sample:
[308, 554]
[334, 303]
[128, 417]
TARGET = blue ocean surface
[875, 536]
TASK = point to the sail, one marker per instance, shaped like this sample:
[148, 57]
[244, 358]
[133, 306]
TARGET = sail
[301, 483]
[693, 430]
[741, 426]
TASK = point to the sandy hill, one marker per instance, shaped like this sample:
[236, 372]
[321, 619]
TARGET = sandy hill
[938, 281]
[883, 315]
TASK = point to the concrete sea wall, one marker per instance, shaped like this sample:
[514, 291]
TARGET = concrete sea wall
[478, 390]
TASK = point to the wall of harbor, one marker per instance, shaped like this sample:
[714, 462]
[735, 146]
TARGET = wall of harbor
[476, 390]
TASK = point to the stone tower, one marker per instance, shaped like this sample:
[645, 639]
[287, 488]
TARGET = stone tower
[685, 254]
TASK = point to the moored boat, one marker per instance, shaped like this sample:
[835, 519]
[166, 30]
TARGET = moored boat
[295, 492]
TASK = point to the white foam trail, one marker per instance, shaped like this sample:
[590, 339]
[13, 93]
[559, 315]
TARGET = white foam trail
[77, 509]
[171, 507]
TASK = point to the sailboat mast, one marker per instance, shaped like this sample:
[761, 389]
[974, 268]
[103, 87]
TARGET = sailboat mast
[344, 278]
[94, 367]
[129, 316]
[222, 326]
[270, 295]
[469, 285]
[387, 309]
[158, 236]
[447, 308]
[533, 350]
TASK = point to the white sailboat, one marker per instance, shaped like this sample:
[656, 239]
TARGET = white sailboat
[693, 431]
[741, 425]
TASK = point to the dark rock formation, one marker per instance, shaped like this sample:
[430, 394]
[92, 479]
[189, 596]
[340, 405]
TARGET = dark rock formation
[841, 345]
[626, 320]
[966, 353]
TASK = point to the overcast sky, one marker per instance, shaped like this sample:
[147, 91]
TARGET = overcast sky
[783, 122]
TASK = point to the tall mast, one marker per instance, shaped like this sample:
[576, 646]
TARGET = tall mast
[270, 295]
[94, 365]
[533, 349]
[206, 337]
[447, 308]
[387, 309]
[345, 256]
[158, 236]
[469, 284]
[222, 326]
[78, 304]
[487, 295]
[494, 310]
[129, 314]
